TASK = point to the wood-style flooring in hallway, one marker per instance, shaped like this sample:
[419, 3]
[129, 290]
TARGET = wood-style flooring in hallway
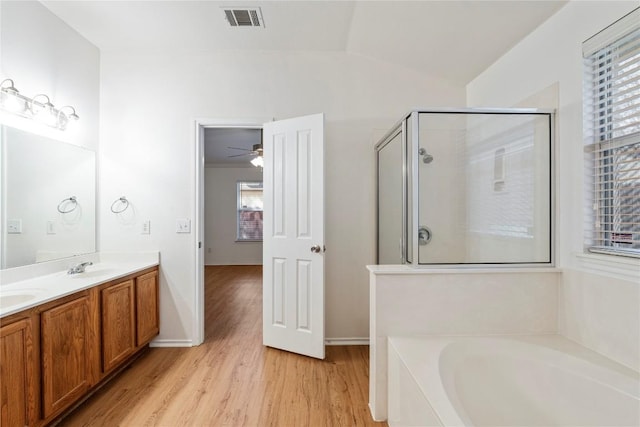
[232, 379]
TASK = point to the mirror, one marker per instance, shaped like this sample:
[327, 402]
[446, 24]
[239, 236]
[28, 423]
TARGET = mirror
[48, 199]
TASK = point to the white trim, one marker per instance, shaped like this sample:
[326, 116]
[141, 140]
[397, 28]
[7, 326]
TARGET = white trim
[198, 228]
[373, 414]
[614, 266]
[172, 343]
[198, 274]
[347, 341]
[613, 32]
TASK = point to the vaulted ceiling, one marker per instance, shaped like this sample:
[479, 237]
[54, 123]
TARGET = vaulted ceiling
[454, 40]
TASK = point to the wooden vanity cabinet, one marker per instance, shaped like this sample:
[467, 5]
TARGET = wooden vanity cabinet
[54, 354]
[118, 323]
[65, 337]
[17, 384]
[129, 317]
[147, 310]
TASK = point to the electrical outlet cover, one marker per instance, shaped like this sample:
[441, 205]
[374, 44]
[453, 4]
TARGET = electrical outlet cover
[14, 226]
[183, 225]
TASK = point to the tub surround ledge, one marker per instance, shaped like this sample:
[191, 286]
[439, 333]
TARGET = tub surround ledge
[380, 270]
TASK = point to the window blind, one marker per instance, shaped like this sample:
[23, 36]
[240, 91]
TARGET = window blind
[612, 137]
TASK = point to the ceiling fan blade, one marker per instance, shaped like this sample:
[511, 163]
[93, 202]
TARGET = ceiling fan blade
[236, 148]
[242, 155]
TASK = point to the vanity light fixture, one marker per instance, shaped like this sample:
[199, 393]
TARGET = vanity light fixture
[39, 107]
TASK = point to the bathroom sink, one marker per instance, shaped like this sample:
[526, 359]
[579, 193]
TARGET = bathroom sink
[11, 298]
[92, 271]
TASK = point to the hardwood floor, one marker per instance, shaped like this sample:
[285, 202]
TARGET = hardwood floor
[232, 379]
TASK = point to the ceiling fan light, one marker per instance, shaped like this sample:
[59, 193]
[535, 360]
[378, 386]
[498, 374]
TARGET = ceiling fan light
[258, 161]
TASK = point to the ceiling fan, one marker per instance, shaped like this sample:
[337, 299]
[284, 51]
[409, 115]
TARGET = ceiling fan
[255, 151]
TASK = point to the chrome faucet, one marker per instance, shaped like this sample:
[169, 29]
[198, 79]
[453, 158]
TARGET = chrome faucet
[79, 268]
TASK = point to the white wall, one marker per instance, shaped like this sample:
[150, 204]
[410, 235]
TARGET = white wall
[594, 287]
[220, 212]
[148, 105]
[42, 54]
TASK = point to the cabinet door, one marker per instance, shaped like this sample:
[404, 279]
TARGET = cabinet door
[118, 324]
[148, 322]
[16, 360]
[65, 368]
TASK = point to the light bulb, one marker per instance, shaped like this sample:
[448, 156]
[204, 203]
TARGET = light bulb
[44, 111]
[67, 120]
[10, 99]
[48, 116]
[12, 103]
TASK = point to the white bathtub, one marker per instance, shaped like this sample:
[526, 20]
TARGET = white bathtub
[512, 381]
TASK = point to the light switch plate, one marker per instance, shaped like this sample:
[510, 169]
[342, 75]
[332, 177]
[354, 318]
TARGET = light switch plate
[146, 227]
[51, 227]
[14, 226]
[183, 225]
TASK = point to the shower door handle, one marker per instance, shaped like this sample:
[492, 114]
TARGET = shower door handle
[424, 235]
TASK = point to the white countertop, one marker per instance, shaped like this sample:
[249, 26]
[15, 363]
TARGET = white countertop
[34, 291]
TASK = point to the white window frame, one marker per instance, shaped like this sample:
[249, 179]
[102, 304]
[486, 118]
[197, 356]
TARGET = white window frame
[612, 138]
[240, 210]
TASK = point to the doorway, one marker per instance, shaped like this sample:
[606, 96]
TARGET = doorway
[293, 251]
[224, 150]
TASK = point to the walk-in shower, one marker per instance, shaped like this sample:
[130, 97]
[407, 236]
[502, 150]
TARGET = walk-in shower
[469, 186]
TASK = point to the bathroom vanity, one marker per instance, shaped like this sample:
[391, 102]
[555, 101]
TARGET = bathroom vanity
[62, 336]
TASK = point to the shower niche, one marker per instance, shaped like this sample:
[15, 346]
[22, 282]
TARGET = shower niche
[466, 187]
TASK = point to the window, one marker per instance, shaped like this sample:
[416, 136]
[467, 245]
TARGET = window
[250, 205]
[612, 137]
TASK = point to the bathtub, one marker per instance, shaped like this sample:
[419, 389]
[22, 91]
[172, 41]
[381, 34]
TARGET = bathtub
[507, 381]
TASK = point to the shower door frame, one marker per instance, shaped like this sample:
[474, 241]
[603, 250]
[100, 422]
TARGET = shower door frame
[400, 128]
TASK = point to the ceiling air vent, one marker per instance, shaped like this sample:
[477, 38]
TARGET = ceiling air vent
[244, 17]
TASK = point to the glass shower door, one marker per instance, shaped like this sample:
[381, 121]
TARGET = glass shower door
[484, 188]
[390, 198]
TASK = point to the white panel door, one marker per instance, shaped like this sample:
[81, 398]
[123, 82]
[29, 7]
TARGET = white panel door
[293, 229]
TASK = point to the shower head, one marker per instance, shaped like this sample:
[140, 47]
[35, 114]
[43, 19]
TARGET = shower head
[426, 157]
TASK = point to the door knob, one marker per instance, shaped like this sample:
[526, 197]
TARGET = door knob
[316, 249]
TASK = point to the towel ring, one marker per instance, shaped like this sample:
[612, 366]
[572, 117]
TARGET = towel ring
[122, 200]
[71, 200]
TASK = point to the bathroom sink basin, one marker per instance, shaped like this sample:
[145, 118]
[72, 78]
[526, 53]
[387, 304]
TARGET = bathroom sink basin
[11, 298]
[92, 271]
